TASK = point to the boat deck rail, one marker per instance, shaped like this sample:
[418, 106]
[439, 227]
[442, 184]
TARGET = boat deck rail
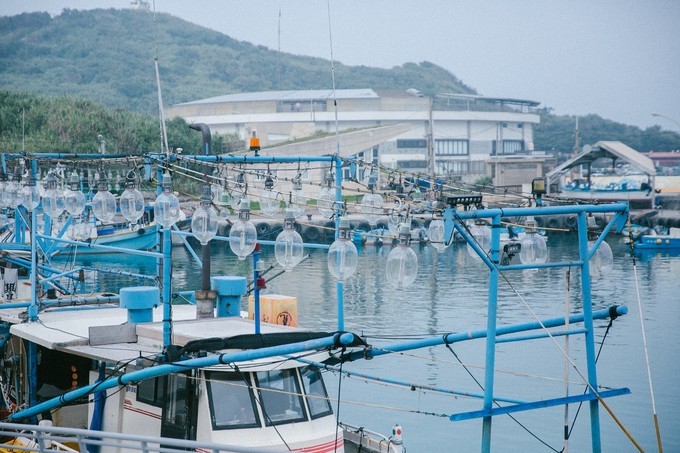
[50, 438]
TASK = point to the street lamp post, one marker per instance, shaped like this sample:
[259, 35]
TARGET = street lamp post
[658, 115]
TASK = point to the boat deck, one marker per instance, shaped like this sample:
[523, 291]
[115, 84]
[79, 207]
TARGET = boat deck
[103, 334]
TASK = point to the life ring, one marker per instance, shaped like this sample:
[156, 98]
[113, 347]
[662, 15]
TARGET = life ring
[571, 222]
[553, 222]
[311, 234]
[381, 225]
[263, 229]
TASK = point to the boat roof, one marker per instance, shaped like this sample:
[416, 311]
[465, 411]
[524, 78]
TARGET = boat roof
[102, 333]
[611, 149]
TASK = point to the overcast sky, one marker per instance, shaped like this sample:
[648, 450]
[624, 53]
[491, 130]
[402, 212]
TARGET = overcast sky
[619, 59]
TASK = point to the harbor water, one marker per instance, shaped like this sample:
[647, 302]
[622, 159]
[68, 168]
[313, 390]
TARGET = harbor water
[450, 295]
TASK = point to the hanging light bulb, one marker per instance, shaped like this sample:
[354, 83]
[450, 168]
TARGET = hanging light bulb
[401, 268]
[602, 260]
[298, 202]
[131, 200]
[342, 256]
[326, 199]
[534, 250]
[12, 190]
[396, 216]
[435, 233]
[3, 186]
[269, 203]
[239, 192]
[204, 222]
[371, 205]
[74, 199]
[288, 248]
[103, 202]
[243, 235]
[166, 208]
[481, 235]
[30, 197]
[53, 202]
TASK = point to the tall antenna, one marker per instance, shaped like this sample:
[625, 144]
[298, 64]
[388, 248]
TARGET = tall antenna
[161, 114]
[335, 99]
[279, 37]
[577, 144]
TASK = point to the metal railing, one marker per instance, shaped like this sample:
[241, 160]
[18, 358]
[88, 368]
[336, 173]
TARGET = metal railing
[36, 438]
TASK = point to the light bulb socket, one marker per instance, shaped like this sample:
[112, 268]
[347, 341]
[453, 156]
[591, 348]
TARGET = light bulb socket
[74, 181]
[244, 210]
[269, 182]
[167, 182]
[404, 234]
[206, 196]
[131, 180]
[51, 182]
[288, 219]
[103, 182]
[297, 182]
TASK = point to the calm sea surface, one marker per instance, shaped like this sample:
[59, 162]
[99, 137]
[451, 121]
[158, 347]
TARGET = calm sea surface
[450, 295]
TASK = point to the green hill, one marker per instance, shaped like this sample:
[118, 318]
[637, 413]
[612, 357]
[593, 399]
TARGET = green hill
[107, 56]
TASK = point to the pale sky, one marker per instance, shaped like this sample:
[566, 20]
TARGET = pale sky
[619, 59]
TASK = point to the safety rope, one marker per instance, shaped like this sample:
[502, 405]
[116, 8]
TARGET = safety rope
[631, 244]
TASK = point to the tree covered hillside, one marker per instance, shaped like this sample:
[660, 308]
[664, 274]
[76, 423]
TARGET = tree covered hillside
[108, 56]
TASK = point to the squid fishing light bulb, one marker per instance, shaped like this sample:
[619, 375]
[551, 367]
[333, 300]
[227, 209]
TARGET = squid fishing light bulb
[243, 235]
[342, 256]
[288, 249]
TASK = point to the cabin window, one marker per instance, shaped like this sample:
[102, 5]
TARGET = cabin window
[317, 397]
[150, 391]
[231, 401]
[280, 396]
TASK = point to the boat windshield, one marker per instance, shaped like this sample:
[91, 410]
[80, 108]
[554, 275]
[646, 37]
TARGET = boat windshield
[280, 396]
[231, 401]
[317, 397]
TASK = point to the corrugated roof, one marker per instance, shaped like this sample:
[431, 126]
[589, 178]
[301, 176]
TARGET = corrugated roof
[606, 149]
[289, 95]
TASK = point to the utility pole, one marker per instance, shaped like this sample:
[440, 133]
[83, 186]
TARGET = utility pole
[430, 146]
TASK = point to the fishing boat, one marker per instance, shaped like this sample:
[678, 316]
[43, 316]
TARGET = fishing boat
[654, 241]
[131, 369]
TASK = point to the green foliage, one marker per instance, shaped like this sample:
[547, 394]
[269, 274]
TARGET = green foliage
[71, 125]
[557, 134]
[107, 55]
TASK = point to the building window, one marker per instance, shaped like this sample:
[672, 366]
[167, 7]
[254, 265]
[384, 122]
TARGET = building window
[451, 168]
[451, 147]
[411, 143]
[512, 146]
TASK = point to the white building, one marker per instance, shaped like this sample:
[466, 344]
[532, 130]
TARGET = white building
[467, 129]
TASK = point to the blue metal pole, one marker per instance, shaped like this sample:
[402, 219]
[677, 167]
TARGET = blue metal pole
[175, 367]
[33, 309]
[491, 329]
[104, 247]
[256, 288]
[339, 286]
[590, 334]
[191, 250]
[167, 288]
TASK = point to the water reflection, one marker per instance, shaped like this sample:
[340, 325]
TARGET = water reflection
[450, 295]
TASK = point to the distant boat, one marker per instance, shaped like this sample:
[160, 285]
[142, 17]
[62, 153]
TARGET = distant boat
[659, 241]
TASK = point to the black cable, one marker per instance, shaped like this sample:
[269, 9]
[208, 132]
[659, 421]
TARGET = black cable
[448, 346]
